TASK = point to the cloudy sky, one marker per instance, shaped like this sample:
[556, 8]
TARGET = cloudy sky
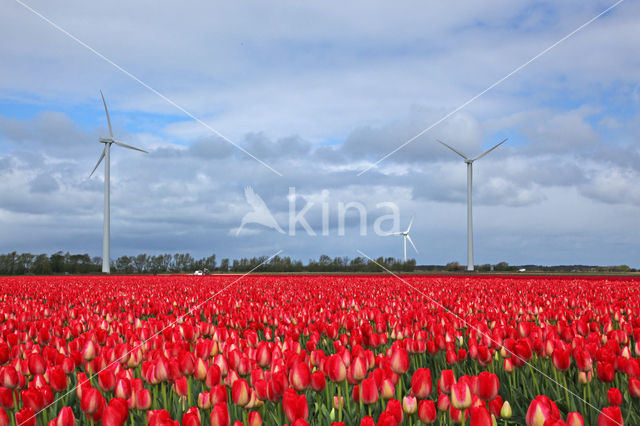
[318, 92]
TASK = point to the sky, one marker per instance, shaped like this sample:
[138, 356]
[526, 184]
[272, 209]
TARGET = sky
[319, 92]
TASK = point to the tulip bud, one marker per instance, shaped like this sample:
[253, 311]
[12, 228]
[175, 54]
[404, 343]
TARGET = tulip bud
[409, 404]
[388, 389]
[143, 399]
[399, 361]
[447, 379]
[91, 400]
[505, 411]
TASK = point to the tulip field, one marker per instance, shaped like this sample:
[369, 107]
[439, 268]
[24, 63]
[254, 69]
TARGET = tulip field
[319, 350]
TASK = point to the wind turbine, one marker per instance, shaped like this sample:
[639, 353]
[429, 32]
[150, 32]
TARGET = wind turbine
[469, 162]
[405, 237]
[106, 267]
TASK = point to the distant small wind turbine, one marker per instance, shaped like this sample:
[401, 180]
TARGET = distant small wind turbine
[405, 237]
[469, 162]
[260, 214]
[106, 235]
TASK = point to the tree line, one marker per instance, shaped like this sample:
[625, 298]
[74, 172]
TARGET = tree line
[66, 263]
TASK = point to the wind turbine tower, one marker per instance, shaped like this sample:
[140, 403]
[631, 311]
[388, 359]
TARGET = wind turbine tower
[106, 233]
[469, 162]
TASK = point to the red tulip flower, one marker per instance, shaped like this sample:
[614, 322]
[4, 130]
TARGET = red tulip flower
[240, 392]
[66, 417]
[421, 383]
[460, 395]
[427, 412]
[614, 396]
[540, 410]
[143, 399]
[318, 382]
[255, 419]
[300, 376]
[575, 419]
[561, 359]
[32, 399]
[488, 386]
[446, 381]
[107, 380]
[369, 391]
[610, 416]
[220, 415]
[399, 361]
[26, 417]
[335, 368]
[480, 416]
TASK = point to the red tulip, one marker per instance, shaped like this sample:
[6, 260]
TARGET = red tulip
[66, 417]
[421, 383]
[4, 418]
[26, 417]
[369, 391]
[610, 416]
[446, 381]
[107, 380]
[335, 368]
[220, 415]
[561, 359]
[123, 388]
[204, 400]
[488, 386]
[32, 399]
[255, 419]
[634, 387]
[318, 382]
[614, 396]
[213, 376]
[575, 419]
[480, 416]
[143, 399]
[9, 377]
[443, 402]
[540, 410]
[366, 421]
[387, 419]
[358, 368]
[394, 407]
[294, 406]
[181, 386]
[606, 373]
[427, 412]
[300, 376]
[399, 361]
[460, 396]
[240, 392]
[36, 364]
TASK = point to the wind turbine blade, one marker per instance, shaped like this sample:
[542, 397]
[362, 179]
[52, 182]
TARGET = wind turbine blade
[124, 145]
[453, 149]
[392, 233]
[489, 150]
[410, 223]
[107, 111]
[412, 245]
[99, 161]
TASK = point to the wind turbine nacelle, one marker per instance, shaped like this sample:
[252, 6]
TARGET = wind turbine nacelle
[106, 140]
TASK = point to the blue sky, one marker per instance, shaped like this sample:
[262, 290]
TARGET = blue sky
[320, 92]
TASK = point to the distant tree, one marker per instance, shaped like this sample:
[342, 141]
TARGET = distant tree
[452, 266]
[57, 262]
[224, 265]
